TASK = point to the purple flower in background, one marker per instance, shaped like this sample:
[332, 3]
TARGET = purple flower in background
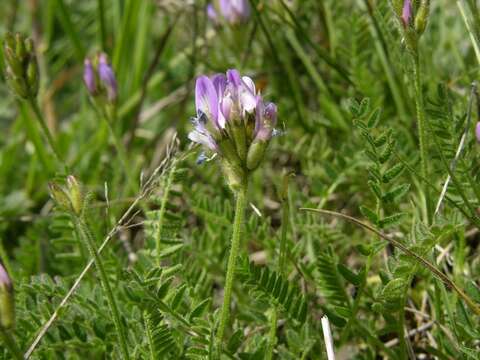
[89, 76]
[107, 77]
[235, 11]
[406, 12]
[477, 131]
[212, 13]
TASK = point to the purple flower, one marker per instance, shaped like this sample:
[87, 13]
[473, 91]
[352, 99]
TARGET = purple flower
[107, 77]
[406, 12]
[235, 11]
[477, 131]
[212, 14]
[226, 103]
[89, 76]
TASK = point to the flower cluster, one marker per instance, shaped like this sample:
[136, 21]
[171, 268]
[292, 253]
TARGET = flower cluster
[99, 77]
[233, 121]
[233, 11]
[21, 70]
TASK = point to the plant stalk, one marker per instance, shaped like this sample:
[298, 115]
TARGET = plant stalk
[241, 202]
[11, 344]
[87, 237]
[421, 125]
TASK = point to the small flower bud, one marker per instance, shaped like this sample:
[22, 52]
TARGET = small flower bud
[256, 153]
[7, 303]
[107, 77]
[75, 194]
[60, 196]
[89, 77]
[406, 13]
[477, 131]
[20, 49]
[421, 18]
[32, 77]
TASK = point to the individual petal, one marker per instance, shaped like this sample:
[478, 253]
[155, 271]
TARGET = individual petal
[406, 12]
[248, 101]
[219, 83]
[202, 138]
[226, 10]
[233, 78]
[206, 99]
[107, 76]
[226, 109]
[249, 83]
[477, 131]
[89, 76]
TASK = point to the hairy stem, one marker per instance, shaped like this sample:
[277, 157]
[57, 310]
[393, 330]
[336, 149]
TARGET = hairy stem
[241, 202]
[11, 344]
[421, 125]
[86, 236]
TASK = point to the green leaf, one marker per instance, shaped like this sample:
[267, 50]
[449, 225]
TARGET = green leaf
[369, 214]
[396, 193]
[349, 275]
[390, 220]
[393, 172]
[374, 118]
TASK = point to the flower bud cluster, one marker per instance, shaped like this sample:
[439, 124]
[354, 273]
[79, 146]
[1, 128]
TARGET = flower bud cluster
[413, 17]
[69, 198]
[234, 122]
[21, 65]
[99, 78]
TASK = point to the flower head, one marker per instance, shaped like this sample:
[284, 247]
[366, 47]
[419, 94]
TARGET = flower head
[235, 11]
[232, 120]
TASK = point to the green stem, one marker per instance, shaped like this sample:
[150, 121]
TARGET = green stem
[421, 124]
[122, 154]
[163, 206]
[11, 344]
[86, 236]
[101, 19]
[272, 337]
[46, 131]
[241, 203]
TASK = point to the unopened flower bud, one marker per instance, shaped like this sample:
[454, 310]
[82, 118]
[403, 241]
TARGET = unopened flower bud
[256, 153]
[477, 131]
[20, 49]
[421, 18]
[406, 13]
[22, 69]
[7, 303]
[60, 196]
[32, 77]
[89, 77]
[107, 77]
[75, 194]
